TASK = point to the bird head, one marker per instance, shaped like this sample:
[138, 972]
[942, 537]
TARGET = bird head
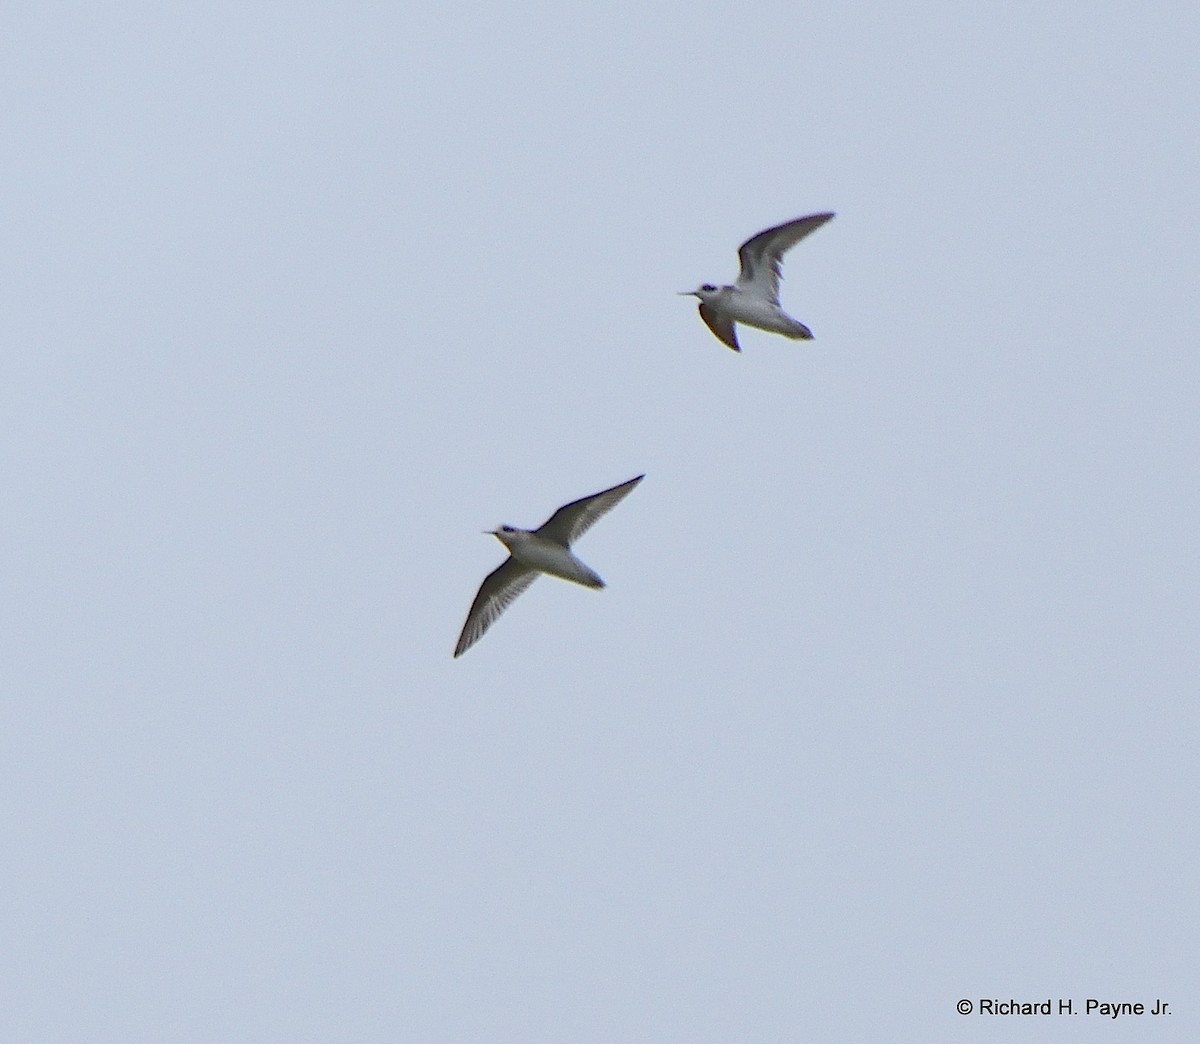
[504, 534]
[706, 292]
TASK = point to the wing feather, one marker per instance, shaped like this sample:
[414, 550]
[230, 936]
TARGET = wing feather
[498, 591]
[761, 255]
[721, 325]
[572, 520]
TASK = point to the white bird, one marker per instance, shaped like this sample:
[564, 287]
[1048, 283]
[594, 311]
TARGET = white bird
[535, 551]
[754, 299]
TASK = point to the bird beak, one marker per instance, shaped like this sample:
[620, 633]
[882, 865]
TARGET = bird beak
[489, 532]
[686, 293]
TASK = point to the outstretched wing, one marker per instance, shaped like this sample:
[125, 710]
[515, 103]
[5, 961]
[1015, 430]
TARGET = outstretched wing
[721, 325]
[497, 592]
[572, 520]
[761, 255]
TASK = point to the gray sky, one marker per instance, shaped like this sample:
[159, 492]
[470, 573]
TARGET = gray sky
[891, 698]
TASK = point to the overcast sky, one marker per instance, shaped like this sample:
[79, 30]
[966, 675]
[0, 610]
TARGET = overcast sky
[891, 699]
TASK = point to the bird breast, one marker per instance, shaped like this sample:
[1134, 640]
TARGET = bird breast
[552, 558]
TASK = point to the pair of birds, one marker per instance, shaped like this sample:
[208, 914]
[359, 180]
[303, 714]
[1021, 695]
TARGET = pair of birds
[752, 300]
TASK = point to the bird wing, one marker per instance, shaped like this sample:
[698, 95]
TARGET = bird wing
[721, 325]
[761, 255]
[498, 591]
[572, 520]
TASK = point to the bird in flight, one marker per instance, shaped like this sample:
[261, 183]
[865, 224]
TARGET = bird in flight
[532, 552]
[754, 298]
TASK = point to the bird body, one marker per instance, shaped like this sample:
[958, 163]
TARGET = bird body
[749, 308]
[532, 552]
[548, 556]
[754, 299]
